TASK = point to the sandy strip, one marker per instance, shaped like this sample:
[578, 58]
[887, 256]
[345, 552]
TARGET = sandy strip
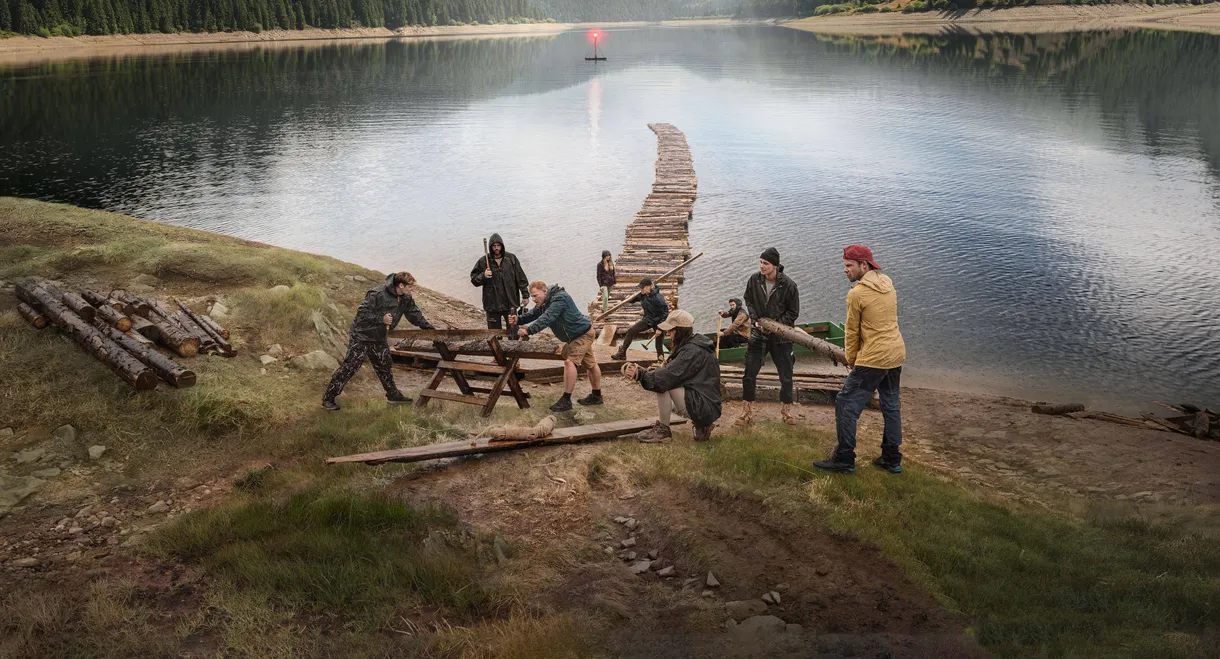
[1056, 18]
[23, 49]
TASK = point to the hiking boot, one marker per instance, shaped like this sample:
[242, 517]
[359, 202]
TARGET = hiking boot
[703, 433]
[621, 355]
[746, 418]
[785, 411]
[330, 405]
[397, 398]
[591, 399]
[562, 405]
[833, 464]
[887, 464]
[659, 432]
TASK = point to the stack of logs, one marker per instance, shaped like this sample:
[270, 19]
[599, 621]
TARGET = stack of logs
[657, 240]
[122, 329]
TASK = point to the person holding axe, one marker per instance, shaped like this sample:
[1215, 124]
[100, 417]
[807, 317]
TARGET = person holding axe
[505, 286]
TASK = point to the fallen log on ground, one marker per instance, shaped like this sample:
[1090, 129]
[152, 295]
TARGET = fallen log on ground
[79, 306]
[1047, 408]
[31, 315]
[489, 445]
[216, 327]
[145, 328]
[177, 339]
[222, 345]
[98, 300]
[165, 368]
[130, 369]
[823, 348]
[113, 318]
[132, 304]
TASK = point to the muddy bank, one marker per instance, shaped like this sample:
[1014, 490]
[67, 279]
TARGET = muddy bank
[1060, 18]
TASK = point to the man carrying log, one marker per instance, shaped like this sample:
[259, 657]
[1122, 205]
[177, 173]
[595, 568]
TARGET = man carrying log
[875, 352]
[555, 309]
[656, 310]
[689, 383]
[503, 281]
[380, 312]
[769, 294]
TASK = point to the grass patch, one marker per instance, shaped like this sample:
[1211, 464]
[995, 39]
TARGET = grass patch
[1035, 583]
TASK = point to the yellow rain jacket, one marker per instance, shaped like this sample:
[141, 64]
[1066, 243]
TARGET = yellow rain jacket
[872, 337]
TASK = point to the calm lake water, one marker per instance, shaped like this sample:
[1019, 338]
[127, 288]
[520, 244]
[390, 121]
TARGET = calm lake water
[1048, 206]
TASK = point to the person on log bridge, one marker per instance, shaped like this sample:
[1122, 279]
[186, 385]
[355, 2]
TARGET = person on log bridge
[738, 331]
[504, 282]
[555, 309]
[656, 310]
[875, 352]
[769, 294]
[380, 312]
[688, 383]
[606, 278]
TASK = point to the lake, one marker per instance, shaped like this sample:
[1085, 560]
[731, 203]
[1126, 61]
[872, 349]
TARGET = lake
[1047, 205]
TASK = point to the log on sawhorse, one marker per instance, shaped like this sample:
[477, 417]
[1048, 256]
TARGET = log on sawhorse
[570, 435]
[451, 365]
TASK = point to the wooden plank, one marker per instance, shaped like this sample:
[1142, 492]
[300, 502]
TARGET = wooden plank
[456, 397]
[486, 445]
[472, 367]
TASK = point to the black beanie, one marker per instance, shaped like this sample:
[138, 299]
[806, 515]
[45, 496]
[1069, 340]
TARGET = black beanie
[605, 253]
[771, 255]
[645, 282]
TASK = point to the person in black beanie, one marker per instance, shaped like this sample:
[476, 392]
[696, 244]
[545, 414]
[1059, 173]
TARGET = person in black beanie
[656, 310]
[769, 294]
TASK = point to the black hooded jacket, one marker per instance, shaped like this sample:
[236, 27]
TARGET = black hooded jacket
[508, 284]
[784, 304]
[656, 309]
[369, 324]
[694, 368]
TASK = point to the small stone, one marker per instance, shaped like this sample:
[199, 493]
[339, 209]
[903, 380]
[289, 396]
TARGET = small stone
[708, 593]
[96, 452]
[262, 371]
[5, 433]
[666, 571]
[761, 626]
[83, 512]
[610, 550]
[51, 472]
[742, 609]
[630, 556]
[775, 597]
[711, 580]
[276, 351]
[281, 288]
[74, 556]
[360, 278]
[218, 310]
[640, 567]
[109, 521]
[766, 597]
[25, 562]
[28, 456]
[652, 554]
[318, 360]
[76, 530]
[65, 433]
[793, 628]
[147, 280]
[782, 587]
[629, 542]
[158, 507]
[631, 524]
[267, 360]
[185, 483]
[621, 520]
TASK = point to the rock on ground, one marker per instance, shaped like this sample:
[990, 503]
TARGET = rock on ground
[317, 360]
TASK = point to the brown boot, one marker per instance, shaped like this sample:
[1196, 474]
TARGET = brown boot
[621, 355]
[785, 411]
[746, 418]
[703, 433]
[659, 432]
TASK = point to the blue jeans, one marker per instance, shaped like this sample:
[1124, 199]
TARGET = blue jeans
[857, 390]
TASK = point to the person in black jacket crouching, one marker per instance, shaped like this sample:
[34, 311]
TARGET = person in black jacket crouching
[688, 383]
[656, 310]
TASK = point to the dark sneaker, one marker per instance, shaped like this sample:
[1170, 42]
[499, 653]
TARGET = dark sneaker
[397, 398]
[703, 433]
[659, 432]
[619, 357]
[884, 463]
[562, 405]
[833, 465]
[330, 405]
[591, 399]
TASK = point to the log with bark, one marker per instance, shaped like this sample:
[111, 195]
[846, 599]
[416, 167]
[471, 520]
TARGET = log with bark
[823, 348]
[93, 341]
[79, 306]
[132, 304]
[206, 344]
[113, 318]
[177, 339]
[145, 328]
[216, 327]
[97, 299]
[165, 368]
[33, 316]
[226, 350]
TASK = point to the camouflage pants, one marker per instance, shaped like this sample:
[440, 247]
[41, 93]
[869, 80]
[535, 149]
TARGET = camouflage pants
[377, 352]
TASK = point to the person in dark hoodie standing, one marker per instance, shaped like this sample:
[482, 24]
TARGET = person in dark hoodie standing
[688, 383]
[656, 310]
[504, 282]
[554, 309]
[380, 311]
[769, 294]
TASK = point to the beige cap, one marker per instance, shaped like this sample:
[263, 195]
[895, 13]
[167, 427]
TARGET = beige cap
[677, 318]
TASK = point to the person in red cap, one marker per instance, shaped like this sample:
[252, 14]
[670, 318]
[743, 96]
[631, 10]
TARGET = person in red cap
[875, 352]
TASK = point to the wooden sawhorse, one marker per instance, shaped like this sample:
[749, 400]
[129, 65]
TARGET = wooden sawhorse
[451, 365]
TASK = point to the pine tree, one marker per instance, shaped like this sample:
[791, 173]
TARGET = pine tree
[6, 17]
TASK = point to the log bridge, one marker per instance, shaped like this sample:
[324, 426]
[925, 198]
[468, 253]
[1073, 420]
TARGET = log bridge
[657, 240]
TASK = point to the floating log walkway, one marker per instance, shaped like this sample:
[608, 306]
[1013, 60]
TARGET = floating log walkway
[657, 240]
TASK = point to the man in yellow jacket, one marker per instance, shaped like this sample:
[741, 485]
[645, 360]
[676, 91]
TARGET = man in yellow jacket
[875, 353]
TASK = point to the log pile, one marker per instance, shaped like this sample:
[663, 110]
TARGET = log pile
[123, 330]
[657, 239]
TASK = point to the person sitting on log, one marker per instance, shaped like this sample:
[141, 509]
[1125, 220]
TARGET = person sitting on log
[656, 310]
[769, 294]
[606, 278]
[875, 352]
[380, 312]
[503, 281]
[738, 331]
[555, 309]
[688, 383]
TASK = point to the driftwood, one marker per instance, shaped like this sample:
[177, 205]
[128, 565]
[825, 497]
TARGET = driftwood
[823, 348]
[94, 342]
[1046, 408]
[165, 368]
[31, 315]
[113, 318]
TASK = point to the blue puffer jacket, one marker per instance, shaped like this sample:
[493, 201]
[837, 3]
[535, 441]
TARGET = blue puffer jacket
[559, 313]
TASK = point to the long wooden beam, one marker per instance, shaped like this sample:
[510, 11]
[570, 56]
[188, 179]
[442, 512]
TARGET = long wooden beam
[570, 435]
[444, 334]
[632, 298]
